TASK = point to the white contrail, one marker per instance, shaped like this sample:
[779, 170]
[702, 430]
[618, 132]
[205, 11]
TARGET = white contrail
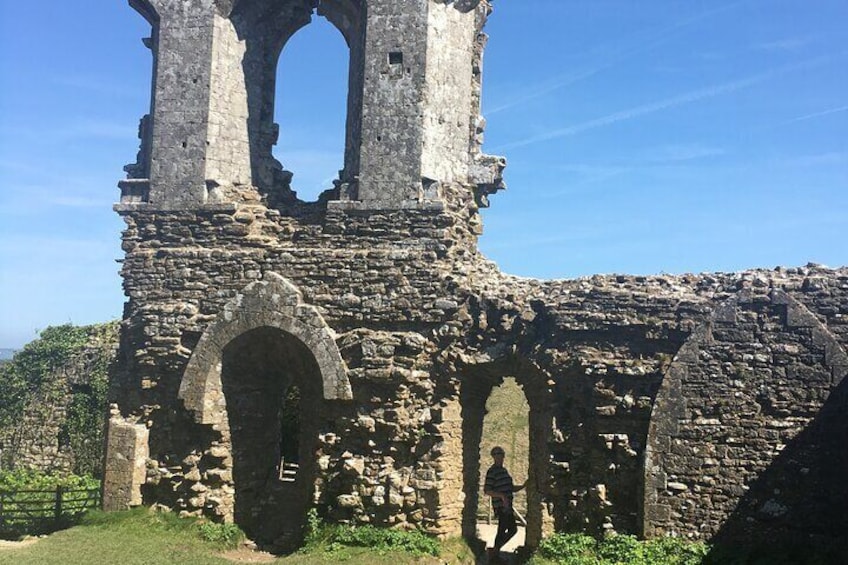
[675, 101]
[623, 54]
[814, 115]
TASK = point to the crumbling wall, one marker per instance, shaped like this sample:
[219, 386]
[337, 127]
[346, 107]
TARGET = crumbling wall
[42, 439]
[372, 278]
[743, 390]
[416, 313]
[417, 323]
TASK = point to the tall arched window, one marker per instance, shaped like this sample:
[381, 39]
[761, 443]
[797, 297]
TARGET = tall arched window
[311, 107]
[137, 186]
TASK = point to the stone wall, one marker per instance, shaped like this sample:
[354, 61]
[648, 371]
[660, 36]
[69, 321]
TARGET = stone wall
[376, 307]
[734, 405]
[418, 316]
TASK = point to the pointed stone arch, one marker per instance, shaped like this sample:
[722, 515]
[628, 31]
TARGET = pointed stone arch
[273, 302]
[687, 439]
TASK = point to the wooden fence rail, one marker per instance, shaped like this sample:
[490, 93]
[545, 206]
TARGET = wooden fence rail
[23, 508]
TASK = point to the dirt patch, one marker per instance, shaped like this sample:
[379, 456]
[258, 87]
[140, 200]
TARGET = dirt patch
[6, 544]
[247, 555]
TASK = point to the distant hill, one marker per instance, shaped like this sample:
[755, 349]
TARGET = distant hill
[6, 353]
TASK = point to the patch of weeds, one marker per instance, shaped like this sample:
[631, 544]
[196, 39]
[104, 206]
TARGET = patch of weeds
[576, 549]
[335, 539]
[225, 535]
[620, 549]
[673, 551]
[580, 549]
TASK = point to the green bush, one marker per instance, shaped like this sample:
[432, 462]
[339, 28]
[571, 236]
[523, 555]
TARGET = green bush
[225, 535]
[35, 493]
[577, 549]
[620, 549]
[383, 540]
[32, 480]
[580, 549]
[673, 551]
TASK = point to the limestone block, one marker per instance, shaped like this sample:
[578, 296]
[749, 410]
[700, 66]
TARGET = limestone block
[126, 461]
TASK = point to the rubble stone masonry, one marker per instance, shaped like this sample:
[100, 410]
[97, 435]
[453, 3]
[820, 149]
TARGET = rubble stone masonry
[696, 405]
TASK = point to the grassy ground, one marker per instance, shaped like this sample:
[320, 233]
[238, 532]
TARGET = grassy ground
[143, 537]
[139, 537]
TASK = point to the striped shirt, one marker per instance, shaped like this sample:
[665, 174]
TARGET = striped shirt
[498, 480]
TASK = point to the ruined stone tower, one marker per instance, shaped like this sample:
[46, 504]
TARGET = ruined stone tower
[279, 355]
[413, 122]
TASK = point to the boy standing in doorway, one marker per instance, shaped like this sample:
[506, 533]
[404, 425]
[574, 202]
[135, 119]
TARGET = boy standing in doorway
[500, 488]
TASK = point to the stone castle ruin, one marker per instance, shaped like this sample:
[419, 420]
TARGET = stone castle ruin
[279, 355]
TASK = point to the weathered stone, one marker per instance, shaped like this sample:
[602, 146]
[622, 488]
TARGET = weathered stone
[376, 306]
[125, 472]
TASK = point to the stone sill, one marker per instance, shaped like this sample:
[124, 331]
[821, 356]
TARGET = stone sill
[386, 205]
[148, 207]
[231, 207]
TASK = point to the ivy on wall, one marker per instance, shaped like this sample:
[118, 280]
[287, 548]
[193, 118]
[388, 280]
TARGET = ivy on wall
[27, 371]
[67, 365]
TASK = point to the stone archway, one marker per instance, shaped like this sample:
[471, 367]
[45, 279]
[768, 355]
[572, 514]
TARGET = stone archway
[738, 405]
[273, 302]
[265, 345]
[477, 384]
[272, 439]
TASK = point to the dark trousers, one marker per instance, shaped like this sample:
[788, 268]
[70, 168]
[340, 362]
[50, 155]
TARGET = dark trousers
[506, 527]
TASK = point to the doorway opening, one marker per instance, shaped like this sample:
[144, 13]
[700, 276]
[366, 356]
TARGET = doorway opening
[272, 388]
[505, 403]
[506, 424]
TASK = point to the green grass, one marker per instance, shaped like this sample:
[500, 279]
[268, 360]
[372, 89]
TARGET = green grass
[145, 537]
[137, 537]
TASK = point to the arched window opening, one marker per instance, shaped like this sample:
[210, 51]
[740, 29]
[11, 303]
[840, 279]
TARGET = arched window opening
[136, 187]
[506, 424]
[311, 107]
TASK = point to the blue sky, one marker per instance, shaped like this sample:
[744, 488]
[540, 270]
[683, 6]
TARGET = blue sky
[642, 137]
